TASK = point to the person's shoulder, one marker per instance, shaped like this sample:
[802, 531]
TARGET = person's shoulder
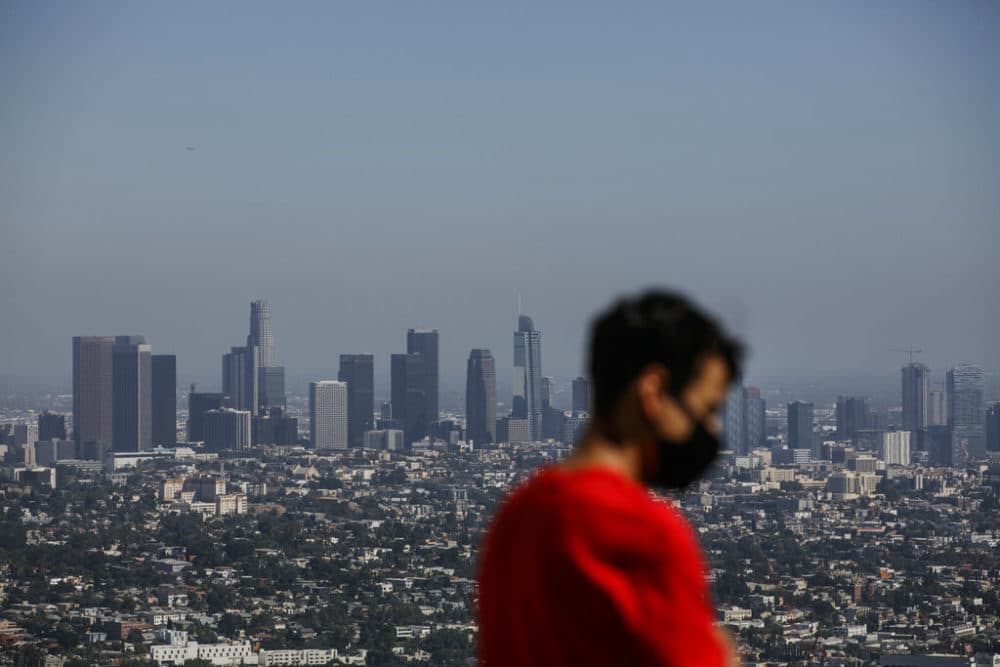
[607, 509]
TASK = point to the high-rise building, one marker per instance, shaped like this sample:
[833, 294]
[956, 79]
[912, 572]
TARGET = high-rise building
[92, 390]
[328, 414]
[132, 395]
[409, 407]
[164, 399]
[552, 418]
[993, 428]
[916, 387]
[744, 422]
[240, 377]
[800, 428]
[894, 448]
[274, 428]
[852, 416]
[581, 395]
[269, 378]
[481, 398]
[937, 408]
[271, 388]
[965, 413]
[527, 380]
[51, 426]
[358, 371]
[260, 332]
[425, 343]
[198, 404]
[756, 420]
[227, 429]
[734, 420]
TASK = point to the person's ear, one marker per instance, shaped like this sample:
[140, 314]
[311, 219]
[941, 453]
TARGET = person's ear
[651, 384]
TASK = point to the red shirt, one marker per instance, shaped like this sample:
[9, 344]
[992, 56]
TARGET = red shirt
[586, 567]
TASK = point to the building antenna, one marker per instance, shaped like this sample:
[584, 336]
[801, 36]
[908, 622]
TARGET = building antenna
[909, 350]
[519, 303]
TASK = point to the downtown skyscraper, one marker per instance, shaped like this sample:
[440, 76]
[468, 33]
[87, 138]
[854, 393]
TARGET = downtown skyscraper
[260, 331]
[915, 391]
[408, 391]
[132, 394]
[527, 380]
[852, 413]
[239, 377]
[743, 420]
[358, 372]
[270, 376]
[328, 414]
[92, 390]
[581, 395]
[481, 398]
[425, 343]
[800, 428]
[164, 399]
[249, 376]
[964, 386]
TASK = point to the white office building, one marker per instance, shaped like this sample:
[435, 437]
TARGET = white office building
[895, 448]
[328, 414]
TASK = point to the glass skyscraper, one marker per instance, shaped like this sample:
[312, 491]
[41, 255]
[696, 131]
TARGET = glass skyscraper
[527, 380]
[965, 413]
[481, 398]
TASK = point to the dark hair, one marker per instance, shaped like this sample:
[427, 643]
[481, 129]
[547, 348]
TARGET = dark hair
[657, 326]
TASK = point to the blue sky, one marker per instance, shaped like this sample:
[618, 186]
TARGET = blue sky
[825, 177]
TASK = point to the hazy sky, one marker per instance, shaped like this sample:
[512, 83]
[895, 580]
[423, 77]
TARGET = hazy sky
[826, 177]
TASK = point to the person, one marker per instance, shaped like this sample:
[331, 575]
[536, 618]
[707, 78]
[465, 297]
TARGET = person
[583, 565]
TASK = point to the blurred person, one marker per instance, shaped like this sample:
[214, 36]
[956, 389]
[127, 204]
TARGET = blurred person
[582, 565]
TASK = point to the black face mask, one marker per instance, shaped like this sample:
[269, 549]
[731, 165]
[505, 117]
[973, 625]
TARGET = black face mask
[679, 464]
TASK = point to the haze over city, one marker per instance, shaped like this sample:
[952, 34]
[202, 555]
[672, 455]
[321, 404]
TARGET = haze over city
[823, 179]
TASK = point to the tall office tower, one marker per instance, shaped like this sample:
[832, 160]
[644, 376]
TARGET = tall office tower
[227, 429]
[132, 395]
[993, 428]
[425, 342]
[734, 420]
[164, 399]
[481, 398]
[51, 426]
[581, 395]
[270, 379]
[965, 413]
[240, 377]
[546, 389]
[271, 388]
[527, 378]
[92, 390]
[852, 416]
[800, 427]
[937, 408]
[894, 448]
[260, 332]
[756, 420]
[552, 418]
[198, 404]
[409, 405]
[358, 371]
[916, 386]
[328, 414]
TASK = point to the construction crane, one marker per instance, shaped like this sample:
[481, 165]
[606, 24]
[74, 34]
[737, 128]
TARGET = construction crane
[909, 350]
